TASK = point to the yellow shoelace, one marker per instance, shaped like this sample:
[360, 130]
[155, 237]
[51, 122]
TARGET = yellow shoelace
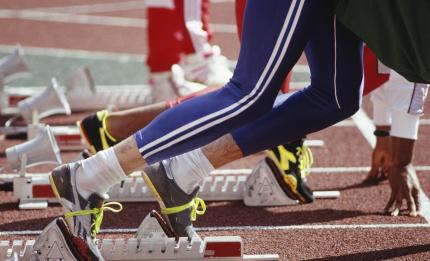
[197, 205]
[306, 159]
[98, 212]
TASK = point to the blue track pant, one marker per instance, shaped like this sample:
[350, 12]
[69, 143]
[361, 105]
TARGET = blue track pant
[275, 34]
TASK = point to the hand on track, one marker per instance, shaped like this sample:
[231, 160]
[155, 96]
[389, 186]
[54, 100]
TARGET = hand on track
[404, 185]
[381, 161]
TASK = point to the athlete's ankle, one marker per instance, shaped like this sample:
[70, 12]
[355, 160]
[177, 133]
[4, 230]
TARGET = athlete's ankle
[189, 169]
[98, 173]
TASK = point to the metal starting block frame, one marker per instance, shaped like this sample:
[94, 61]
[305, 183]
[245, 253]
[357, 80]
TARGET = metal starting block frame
[105, 96]
[149, 243]
[68, 137]
[82, 95]
[256, 189]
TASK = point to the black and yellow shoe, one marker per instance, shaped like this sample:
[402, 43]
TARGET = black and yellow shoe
[94, 132]
[290, 163]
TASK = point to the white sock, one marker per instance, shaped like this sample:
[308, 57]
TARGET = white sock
[98, 173]
[189, 170]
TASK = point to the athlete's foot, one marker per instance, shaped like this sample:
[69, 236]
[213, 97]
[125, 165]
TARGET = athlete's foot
[290, 165]
[172, 84]
[83, 215]
[94, 132]
[179, 207]
[209, 67]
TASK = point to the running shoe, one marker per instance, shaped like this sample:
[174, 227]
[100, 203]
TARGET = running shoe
[209, 67]
[290, 163]
[179, 208]
[94, 132]
[84, 216]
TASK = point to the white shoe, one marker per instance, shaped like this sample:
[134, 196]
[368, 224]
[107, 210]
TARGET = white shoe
[172, 84]
[182, 86]
[210, 68]
[162, 87]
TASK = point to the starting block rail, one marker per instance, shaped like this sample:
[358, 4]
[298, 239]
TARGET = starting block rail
[127, 250]
[256, 189]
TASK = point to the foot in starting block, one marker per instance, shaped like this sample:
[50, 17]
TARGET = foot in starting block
[57, 243]
[153, 241]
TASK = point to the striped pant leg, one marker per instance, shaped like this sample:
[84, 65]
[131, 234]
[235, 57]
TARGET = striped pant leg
[335, 59]
[274, 36]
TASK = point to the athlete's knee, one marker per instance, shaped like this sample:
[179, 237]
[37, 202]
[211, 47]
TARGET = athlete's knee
[349, 97]
[252, 100]
[351, 107]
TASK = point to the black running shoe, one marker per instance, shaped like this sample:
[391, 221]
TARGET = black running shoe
[290, 163]
[94, 132]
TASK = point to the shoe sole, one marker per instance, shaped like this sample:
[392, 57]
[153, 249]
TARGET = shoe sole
[85, 138]
[279, 177]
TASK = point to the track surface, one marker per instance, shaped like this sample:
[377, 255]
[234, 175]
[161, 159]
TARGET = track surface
[352, 227]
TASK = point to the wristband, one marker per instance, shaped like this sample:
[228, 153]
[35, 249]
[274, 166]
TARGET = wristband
[381, 133]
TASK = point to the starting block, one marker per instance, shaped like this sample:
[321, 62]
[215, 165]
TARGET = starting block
[150, 243]
[256, 189]
[68, 137]
[79, 83]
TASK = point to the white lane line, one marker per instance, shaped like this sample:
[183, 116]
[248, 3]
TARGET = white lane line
[425, 207]
[221, 1]
[321, 170]
[302, 68]
[248, 228]
[72, 18]
[94, 8]
[345, 123]
[92, 19]
[78, 54]
[103, 7]
[351, 123]
[224, 28]
[313, 227]
[366, 126]
[424, 121]
[299, 85]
